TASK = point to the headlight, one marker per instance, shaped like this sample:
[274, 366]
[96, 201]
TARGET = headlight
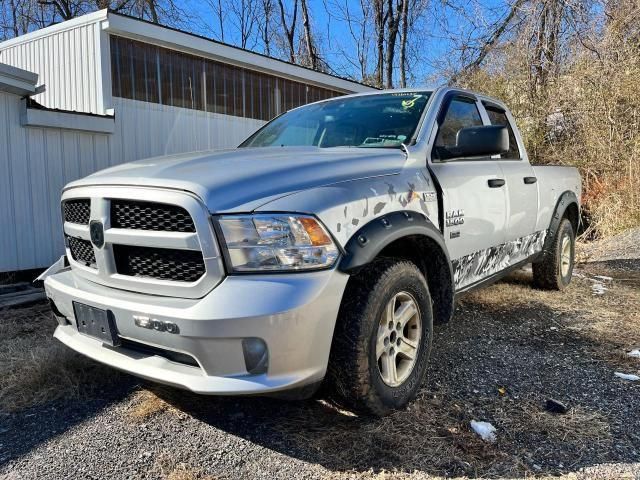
[276, 242]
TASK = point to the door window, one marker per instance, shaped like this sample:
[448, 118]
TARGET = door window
[499, 117]
[461, 113]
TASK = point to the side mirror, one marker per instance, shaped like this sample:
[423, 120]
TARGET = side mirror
[480, 141]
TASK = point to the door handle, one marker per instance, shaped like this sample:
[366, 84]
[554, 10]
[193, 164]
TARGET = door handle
[496, 182]
[530, 180]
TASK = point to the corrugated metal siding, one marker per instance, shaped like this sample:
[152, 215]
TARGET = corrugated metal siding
[67, 63]
[164, 130]
[36, 163]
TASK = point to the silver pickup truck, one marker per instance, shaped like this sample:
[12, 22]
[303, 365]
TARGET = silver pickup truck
[323, 249]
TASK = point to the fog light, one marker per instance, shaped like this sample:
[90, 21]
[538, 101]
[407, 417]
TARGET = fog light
[256, 355]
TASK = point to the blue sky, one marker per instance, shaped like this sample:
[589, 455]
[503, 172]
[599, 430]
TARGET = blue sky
[436, 26]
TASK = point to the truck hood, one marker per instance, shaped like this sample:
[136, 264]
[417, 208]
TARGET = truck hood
[244, 179]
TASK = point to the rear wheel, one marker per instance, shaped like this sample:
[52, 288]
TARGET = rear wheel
[555, 270]
[383, 338]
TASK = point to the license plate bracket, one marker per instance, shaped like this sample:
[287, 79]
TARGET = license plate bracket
[96, 323]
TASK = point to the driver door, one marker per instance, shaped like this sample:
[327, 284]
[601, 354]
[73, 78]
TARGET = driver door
[474, 200]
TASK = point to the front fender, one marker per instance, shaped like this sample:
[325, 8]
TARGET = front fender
[373, 237]
[346, 207]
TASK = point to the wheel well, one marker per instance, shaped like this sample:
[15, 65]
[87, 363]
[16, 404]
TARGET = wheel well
[427, 255]
[573, 215]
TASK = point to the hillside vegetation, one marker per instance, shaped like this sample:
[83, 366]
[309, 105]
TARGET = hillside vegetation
[578, 106]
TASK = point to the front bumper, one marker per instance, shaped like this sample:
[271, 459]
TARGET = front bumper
[294, 314]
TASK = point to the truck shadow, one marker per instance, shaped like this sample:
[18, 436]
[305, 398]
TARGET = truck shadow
[24, 430]
[497, 362]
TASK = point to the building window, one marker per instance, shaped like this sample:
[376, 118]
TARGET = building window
[148, 73]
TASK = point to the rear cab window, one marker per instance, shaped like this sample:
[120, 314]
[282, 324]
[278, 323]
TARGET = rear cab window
[497, 116]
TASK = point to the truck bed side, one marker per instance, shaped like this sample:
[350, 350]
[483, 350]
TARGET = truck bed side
[553, 181]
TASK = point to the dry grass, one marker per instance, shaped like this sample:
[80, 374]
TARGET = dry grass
[182, 472]
[595, 316]
[433, 434]
[593, 473]
[586, 113]
[578, 426]
[37, 368]
[147, 403]
[167, 467]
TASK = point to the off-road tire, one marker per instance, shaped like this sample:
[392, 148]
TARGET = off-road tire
[548, 273]
[354, 379]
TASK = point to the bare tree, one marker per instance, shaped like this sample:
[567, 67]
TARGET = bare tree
[220, 14]
[311, 52]
[394, 13]
[490, 41]
[22, 16]
[289, 28]
[66, 9]
[153, 11]
[380, 16]
[404, 35]
[265, 25]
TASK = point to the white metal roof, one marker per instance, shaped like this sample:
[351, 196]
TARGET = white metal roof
[94, 17]
[179, 40]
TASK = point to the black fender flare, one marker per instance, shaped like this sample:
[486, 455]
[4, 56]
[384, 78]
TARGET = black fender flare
[367, 243]
[566, 199]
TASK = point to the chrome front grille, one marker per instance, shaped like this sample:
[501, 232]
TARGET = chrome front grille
[162, 263]
[155, 241]
[150, 216]
[77, 211]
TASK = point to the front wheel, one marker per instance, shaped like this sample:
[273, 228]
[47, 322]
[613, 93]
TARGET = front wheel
[382, 339]
[555, 270]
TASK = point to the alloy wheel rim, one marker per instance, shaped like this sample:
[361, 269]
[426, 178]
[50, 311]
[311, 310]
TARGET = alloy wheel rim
[565, 256]
[398, 339]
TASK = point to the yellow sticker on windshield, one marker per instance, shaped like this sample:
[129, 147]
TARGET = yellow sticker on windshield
[406, 104]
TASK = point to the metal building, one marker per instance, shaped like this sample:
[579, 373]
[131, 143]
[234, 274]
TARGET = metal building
[118, 89]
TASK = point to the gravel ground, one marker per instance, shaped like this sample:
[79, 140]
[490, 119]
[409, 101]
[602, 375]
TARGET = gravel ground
[508, 349]
[620, 247]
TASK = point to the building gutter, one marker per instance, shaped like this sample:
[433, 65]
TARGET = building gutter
[39, 116]
[17, 81]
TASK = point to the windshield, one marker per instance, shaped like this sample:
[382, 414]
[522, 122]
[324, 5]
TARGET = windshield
[372, 121]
